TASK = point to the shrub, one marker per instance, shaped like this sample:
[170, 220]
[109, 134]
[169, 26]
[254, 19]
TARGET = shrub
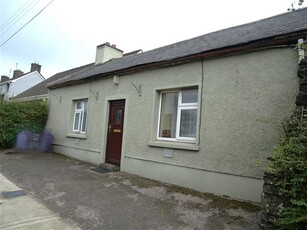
[289, 167]
[17, 116]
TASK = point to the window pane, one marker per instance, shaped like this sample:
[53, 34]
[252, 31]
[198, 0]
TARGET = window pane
[188, 123]
[168, 116]
[76, 121]
[84, 117]
[189, 96]
[78, 105]
[118, 116]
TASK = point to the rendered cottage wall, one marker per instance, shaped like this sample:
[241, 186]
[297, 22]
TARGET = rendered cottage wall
[240, 97]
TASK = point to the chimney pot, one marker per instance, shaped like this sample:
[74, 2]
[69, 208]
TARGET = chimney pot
[4, 78]
[17, 73]
[35, 67]
[113, 45]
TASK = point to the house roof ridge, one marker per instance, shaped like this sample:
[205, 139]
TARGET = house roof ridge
[41, 88]
[287, 23]
[73, 68]
[228, 28]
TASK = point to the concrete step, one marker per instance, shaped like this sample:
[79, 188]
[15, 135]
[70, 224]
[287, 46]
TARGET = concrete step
[109, 167]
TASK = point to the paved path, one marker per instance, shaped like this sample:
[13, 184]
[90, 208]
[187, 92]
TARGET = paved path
[21, 211]
[90, 200]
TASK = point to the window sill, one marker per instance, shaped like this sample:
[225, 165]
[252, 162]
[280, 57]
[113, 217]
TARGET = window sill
[76, 135]
[174, 145]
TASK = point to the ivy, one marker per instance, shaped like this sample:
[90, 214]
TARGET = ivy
[289, 166]
[17, 116]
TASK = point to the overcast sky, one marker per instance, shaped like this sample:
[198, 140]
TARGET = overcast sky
[66, 33]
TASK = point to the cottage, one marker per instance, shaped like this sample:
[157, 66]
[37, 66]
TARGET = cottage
[20, 82]
[199, 113]
[40, 91]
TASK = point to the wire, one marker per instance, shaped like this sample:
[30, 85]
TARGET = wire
[7, 21]
[27, 23]
[14, 22]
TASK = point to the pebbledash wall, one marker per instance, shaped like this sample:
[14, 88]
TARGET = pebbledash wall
[240, 98]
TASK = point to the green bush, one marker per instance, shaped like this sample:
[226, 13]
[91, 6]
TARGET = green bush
[17, 116]
[289, 167]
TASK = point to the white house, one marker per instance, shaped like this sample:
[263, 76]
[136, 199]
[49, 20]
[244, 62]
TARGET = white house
[20, 82]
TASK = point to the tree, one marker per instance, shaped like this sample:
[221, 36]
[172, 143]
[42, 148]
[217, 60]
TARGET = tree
[293, 5]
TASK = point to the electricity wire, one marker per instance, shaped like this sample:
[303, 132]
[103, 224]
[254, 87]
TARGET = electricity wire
[18, 12]
[8, 20]
[26, 23]
[12, 23]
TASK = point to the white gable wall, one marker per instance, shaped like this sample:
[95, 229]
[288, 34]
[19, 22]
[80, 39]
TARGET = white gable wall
[23, 83]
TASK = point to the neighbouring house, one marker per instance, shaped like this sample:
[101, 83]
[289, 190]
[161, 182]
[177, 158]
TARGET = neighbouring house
[20, 82]
[40, 91]
[200, 113]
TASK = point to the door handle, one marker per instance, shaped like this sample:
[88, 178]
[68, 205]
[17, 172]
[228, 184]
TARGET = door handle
[110, 127]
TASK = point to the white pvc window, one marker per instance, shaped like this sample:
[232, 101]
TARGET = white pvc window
[178, 115]
[80, 114]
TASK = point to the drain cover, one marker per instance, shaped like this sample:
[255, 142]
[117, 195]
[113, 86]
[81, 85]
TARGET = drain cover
[13, 194]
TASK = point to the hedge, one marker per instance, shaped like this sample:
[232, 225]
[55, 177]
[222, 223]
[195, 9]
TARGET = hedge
[18, 116]
[289, 166]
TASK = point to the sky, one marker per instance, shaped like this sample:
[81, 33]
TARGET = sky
[65, 34]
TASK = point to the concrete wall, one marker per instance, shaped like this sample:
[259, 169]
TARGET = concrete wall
[242, 96]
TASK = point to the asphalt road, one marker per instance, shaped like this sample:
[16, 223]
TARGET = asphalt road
[89, 200]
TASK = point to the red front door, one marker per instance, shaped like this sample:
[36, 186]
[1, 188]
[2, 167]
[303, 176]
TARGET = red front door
[115, 132]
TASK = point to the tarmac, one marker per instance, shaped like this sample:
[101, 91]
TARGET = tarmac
[50, 191]
[19, 210]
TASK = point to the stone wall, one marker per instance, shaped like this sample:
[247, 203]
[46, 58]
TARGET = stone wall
[272, 201]
[301, 99]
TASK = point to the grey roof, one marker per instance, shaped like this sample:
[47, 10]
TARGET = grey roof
[284, 24]
[41, 88]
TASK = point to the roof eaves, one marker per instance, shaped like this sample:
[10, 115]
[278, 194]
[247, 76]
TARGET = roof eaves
[254, 35]
[238, 48]
[70, 76]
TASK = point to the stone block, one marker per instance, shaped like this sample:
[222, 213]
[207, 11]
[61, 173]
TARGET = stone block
[272, 204]
[269, 222]
[302, 69]
[271, 189]
[301, 99]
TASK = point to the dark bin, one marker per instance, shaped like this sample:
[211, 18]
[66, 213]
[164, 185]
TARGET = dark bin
[23, 140]
[45, 142]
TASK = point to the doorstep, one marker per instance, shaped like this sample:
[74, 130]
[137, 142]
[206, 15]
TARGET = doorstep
[109, 167]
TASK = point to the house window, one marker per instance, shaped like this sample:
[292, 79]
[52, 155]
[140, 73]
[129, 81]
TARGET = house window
[178, 115]
[80, 114]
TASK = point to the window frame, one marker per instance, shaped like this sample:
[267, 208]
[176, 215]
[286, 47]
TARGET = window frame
[180, 106]
[81, 112]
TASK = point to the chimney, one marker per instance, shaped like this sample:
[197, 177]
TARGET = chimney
[4, 78]
[35, 67]
[17, 73]
[106, 52]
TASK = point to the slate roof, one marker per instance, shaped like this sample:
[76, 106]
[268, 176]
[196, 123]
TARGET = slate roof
[290, 23]
[41, 88]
